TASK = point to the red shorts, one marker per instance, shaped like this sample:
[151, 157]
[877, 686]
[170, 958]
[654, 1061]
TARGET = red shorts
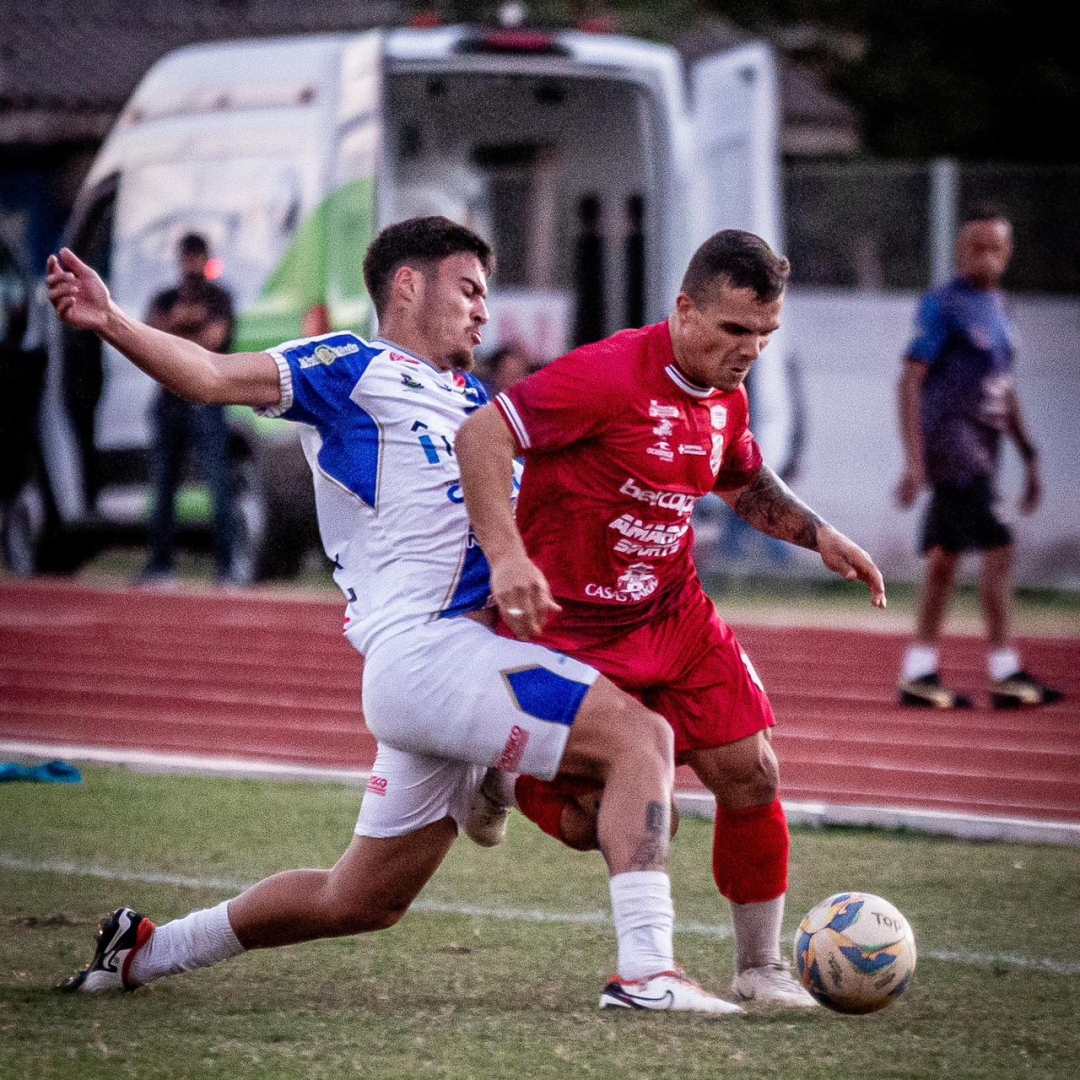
[687, 666]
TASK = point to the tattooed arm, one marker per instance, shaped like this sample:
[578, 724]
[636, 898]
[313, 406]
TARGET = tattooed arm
[768, 504]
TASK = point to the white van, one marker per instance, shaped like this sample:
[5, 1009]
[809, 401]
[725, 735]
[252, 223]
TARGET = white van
[594, 163]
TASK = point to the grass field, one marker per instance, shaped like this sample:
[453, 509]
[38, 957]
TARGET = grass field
[496, 971]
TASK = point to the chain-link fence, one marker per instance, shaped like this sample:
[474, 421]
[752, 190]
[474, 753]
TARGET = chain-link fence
[890, 224]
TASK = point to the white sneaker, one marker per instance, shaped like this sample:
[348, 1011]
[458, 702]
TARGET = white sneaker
[773, 984]
[489, 812]
[668, 991]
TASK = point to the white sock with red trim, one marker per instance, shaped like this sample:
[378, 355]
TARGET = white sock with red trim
[197, 940]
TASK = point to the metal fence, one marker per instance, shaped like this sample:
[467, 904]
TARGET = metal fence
[891, 224]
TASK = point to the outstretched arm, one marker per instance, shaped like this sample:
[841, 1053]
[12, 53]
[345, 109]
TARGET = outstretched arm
[768, 504]
[485, 451]
[184, 367]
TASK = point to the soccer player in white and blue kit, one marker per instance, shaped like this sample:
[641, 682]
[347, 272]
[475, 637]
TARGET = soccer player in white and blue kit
[445, 696]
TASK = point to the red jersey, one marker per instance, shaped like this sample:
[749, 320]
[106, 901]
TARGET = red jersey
[619, 447]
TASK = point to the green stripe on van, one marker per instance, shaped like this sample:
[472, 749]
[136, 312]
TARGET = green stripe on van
[323, 265]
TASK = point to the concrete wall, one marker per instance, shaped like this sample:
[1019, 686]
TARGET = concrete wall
[849, 347]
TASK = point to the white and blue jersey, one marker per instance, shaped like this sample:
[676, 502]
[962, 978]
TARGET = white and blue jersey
[378, 427]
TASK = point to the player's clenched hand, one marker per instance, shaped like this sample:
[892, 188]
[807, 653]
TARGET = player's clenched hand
[523, 595]
[844, 557]
[77, 292]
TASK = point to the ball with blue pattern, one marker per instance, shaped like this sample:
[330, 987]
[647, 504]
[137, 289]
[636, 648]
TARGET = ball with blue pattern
[855, 953]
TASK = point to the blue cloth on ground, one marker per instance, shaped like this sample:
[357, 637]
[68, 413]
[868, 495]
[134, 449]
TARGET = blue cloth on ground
[52, 772]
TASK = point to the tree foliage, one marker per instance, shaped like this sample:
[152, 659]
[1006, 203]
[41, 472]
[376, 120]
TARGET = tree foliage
[974, 79]
[981, 80]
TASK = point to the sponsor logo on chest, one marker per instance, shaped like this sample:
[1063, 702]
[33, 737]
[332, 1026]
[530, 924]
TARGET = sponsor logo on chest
[648, 539]
[682, 503]
[635, 583]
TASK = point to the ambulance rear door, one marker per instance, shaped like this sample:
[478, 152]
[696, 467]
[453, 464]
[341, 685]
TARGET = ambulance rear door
[737, 185]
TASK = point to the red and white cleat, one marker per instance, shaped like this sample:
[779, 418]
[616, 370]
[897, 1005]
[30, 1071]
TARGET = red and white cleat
[668, 991]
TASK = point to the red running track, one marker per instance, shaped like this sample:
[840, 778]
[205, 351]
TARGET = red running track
[268, 676]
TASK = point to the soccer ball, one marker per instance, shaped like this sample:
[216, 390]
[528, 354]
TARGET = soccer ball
[855, 953]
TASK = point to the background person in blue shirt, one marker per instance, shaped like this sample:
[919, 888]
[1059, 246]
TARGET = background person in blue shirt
[957, 397]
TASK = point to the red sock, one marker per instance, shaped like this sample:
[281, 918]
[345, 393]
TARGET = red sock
[750, 853]
[542, 801]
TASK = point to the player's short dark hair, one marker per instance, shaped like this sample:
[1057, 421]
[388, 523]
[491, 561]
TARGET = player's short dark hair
[738, 259]
[985, 210]
[193, 243]
[421, 242]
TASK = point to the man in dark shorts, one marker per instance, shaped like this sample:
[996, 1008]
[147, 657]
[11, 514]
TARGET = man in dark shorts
[201, 311]
[621, 440]
[957, 398]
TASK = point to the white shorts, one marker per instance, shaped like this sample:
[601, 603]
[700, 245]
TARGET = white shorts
[455, 689]
[408, 791]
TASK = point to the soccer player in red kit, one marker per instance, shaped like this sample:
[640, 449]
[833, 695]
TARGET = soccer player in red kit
[621, 439]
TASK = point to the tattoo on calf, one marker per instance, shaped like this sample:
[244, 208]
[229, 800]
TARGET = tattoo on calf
[651, 852]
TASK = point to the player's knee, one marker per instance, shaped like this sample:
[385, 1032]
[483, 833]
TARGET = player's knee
[759, 778]
[616, 731]
[742, 774]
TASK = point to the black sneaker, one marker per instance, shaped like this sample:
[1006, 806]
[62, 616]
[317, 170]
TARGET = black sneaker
[119, 938]
[1019, 690]
[926, 692]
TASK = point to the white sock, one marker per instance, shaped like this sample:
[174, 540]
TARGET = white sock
[1001, 663]
[197, 940]
[757, 932]
[644, 922]
[919, 660]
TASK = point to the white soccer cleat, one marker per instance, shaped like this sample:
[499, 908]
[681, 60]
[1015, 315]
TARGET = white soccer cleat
[489, 812]
[119, 938]
[772, 984]
[669, 991]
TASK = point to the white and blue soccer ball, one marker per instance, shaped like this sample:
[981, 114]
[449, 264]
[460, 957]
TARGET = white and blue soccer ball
[855, 952]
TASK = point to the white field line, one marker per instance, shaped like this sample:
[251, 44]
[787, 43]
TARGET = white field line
[695, 803]
[528, 915]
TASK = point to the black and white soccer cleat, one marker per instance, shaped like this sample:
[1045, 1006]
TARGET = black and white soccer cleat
[119, 938]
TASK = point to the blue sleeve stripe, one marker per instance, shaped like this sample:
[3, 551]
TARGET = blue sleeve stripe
[473, 586]
[324, 372]
[351, 452]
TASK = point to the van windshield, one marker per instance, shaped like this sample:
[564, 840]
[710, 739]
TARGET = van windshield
[248, 208]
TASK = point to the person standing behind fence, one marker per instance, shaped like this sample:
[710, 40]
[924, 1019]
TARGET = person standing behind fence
[201, 311]
[957, 396]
